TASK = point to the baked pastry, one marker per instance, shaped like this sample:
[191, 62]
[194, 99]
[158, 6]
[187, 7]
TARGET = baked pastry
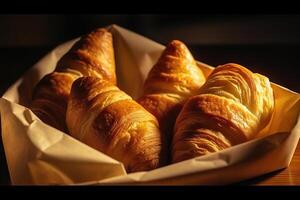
[102, 116]
[50, 98]
[232, 107]
[172, 79]
[92, 55]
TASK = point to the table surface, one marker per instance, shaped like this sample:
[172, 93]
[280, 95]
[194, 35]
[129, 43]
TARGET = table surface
[279, 62]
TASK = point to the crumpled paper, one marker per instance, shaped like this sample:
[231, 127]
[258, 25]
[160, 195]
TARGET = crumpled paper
[40, 154]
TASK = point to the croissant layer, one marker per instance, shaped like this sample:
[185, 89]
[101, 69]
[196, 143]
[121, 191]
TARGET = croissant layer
[172, 79]
[92, 55]
[231, 108]
[107, 119]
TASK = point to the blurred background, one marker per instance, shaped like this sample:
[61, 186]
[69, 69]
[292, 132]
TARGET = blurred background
[268, 44]
[41, 30]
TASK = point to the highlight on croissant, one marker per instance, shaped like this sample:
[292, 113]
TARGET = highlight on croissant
[181, 114]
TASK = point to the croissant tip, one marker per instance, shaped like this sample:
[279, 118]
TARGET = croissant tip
[99, 31]
[176, 44]
[178, 49]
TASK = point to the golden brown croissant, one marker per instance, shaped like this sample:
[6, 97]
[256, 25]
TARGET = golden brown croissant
[102, 116]
[172, 79]
[92, 55]
[233, 106]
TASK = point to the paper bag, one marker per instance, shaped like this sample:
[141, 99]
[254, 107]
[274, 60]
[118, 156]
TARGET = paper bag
[39, 154]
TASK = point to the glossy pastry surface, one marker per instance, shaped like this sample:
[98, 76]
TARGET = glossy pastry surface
[92, 55]
[172, 79]
[102, 116]
[232, 107]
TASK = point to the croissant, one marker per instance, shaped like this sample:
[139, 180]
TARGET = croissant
[92, 55]
[232, 107]
[172, 79]
[102, 116]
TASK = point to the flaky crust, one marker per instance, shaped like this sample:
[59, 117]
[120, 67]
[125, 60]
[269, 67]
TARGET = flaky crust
[232, 107]
[102, 116]
[92, 55]
[172, 79]
[50, 98]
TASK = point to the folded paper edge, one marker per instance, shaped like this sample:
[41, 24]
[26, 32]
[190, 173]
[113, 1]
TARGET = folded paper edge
[203, 64]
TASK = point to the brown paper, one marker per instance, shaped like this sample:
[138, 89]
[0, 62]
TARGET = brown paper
[39, 154]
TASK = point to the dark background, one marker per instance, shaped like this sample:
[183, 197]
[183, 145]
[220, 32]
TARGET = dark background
[268, 44]
[48, 30]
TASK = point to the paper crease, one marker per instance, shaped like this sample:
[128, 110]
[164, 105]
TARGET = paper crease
[39, 154]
